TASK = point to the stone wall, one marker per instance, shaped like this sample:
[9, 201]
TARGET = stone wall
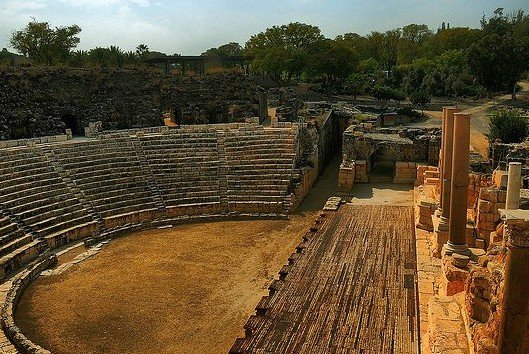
[39, 101]
[491, 199]
[399, 148]
[405, 172]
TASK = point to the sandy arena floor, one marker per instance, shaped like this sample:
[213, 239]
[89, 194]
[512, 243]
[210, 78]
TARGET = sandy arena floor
[188, 289]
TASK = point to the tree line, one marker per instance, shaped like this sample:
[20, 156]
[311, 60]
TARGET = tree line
[412, 61]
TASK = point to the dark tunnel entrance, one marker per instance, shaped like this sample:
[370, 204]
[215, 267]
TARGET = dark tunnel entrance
[382, 165]
[72, 122]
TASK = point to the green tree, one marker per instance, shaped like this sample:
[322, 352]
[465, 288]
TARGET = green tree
[501, 55]
[228, 49]
[410, 45]
[45, 45]
[356, 84]
[333, 62]
[141, 50]
[509, 126]
[420, 98]
[282, 51]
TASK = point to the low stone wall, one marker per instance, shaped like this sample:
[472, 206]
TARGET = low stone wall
[483, 295]
[361, 171]
[491, 199]
[93, 130]
[20, 341]
[346, 177]
[308, 176]
[476, 181]
[4, 144]
[405, 172]
[404, 148]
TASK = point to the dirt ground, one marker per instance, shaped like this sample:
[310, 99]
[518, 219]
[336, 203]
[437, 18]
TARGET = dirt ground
[382, 194]
[479, 111]
[187, 289]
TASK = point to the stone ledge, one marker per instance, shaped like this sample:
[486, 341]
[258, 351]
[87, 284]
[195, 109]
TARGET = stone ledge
[18, 285]
[447, 333]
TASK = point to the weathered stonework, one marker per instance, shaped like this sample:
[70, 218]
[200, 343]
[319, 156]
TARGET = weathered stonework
[41, 101]
[395, 150]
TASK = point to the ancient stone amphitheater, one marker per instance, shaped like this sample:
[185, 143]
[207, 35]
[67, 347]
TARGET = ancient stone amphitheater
[54, 192]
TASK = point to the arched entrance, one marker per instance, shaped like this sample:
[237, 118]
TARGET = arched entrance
[72, 122]
[382, 167]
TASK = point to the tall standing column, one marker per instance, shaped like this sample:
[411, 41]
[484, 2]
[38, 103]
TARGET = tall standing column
[513, 186]
[446, 169]
[459, 186]
[438, 212]
[515, 303]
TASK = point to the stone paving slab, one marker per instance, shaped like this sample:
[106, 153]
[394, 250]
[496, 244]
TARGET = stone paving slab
[351, 288]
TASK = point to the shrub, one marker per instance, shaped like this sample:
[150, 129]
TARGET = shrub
[507, 125]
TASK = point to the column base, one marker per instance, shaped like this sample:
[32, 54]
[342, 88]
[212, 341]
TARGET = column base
[450, 248]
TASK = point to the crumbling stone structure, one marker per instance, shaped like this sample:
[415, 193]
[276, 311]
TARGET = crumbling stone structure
[482, 297]
[394, 153]
[37, 102]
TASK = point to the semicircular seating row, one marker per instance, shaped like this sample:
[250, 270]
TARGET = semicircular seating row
[53, 194]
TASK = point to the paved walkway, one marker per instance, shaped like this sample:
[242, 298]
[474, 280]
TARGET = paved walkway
[352, 289]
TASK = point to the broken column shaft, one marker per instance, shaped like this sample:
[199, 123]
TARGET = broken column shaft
[459, 186]
[513, 186]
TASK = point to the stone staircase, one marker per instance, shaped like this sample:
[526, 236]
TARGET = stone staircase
[223, 169]
[72, 187]
[148, 175]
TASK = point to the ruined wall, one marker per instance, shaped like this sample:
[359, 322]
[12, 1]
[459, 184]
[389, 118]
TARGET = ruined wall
[42, 101]
[364, 145]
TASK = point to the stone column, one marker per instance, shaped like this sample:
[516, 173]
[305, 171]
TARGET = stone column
[457, 223]
[515, 303]
[513, 186]
[438, 212]
[446, 169]
[443, 138]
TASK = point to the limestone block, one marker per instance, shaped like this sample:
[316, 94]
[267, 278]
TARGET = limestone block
[480, 243]
[499, 177]
[431, 174]
[478, 307]
[453, 279]
[431, 181]
[484, 206]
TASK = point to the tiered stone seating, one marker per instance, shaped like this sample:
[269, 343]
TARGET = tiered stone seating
[110, 176]
[260, 165]
[35, 194]
[185, 166]
[16, 247]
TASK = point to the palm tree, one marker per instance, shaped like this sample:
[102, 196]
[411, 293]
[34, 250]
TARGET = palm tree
[142, 49]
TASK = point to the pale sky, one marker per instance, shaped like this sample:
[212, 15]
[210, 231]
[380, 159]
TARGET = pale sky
[190, 27]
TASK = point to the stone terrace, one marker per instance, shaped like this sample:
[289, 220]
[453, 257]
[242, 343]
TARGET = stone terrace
[54, 193]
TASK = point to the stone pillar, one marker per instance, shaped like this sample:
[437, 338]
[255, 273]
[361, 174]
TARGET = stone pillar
[438, 212]
[514, 321]
[446, 170]
[443, 139]
[457, 222]
[513, 186]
